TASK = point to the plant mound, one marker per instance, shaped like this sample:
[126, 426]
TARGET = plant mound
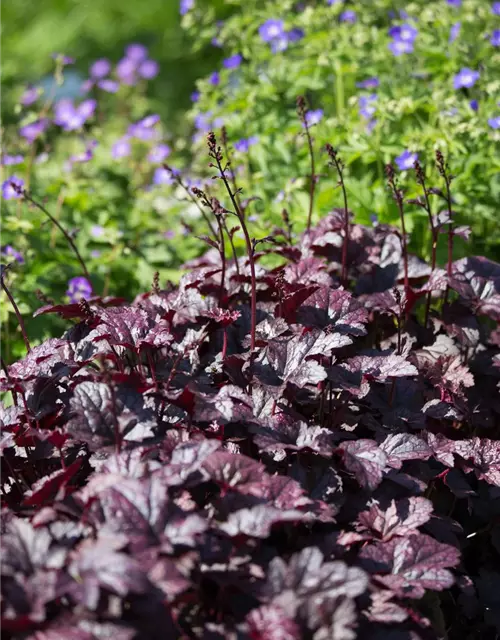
[160, 480]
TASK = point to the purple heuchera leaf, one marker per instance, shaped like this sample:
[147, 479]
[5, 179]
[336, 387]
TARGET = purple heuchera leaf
[257, 521]
[409, 566]
[334, 308]
[404, 446]
[366, 460]
[401, 518]
[380, 367]
[102, 415]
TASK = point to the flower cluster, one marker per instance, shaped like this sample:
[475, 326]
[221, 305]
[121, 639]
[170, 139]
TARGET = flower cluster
[403, 38]
[273, 31]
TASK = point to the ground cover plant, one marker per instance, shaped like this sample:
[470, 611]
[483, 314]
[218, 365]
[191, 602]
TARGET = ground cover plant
[391, 82]
[297, 442]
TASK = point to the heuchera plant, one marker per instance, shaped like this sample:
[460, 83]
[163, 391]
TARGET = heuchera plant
[308, 449]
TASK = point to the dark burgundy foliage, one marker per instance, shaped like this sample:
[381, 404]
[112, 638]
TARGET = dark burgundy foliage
[343, 481]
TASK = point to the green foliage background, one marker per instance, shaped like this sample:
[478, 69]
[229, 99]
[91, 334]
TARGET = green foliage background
[88, 29]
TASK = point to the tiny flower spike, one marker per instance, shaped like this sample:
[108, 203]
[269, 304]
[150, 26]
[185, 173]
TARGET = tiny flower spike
[406, 160]
[79, 288]
[465, 78]
[12, 188]
[337, 163]
[308, 118]
[398, 197]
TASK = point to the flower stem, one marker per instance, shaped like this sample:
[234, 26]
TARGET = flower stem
[69, 239]
[18, 314]
[215, 153]
[301, 110]
[339, 166]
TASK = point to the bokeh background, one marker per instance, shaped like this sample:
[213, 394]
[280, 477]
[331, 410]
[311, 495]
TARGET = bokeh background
[88, 29]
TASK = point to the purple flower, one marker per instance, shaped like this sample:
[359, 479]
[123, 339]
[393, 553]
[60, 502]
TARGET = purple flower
[369, 83]
[162, 176]
[136, 52]
[406, 160]
[185, 6]
[474, 105]
[348, 16]
[30, 96]
[399, 47]
[465, 78]
[126, 71]
[279, 44]
[111, 86]
[148, 69]
[100, 69]
[169, 235]
[11, 161]
[121, 149]
[85, 156]
[95, 253]
[8, 190]
[454, 31]
[214, 79]
[71, 118]
[495, 8]
[202, 122]
[96, 231]
[79, 288]
[33, 130]
[313, 117]
[404, 32]
[494, 122]
[244, 144]
[495, 38]
[195, 96]
[233, 62]
[295, 34]
[159, 153]
[271, 30]
[10, 252]
[455, 3]
[366, 106]
[144, 129]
